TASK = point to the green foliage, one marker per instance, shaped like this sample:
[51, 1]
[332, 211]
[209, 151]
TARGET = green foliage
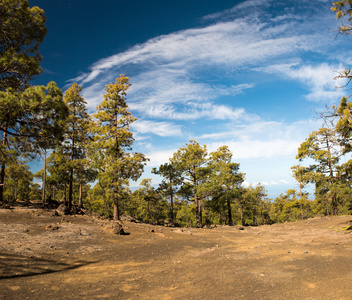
[76, 138]
[112, 141]
[33, 117]
[22, 30]
[254, 207]
[189, 160]
[170, 185]
[288, 207]
[30, 121]
[185, 215]
[323, 147]
[19, 182]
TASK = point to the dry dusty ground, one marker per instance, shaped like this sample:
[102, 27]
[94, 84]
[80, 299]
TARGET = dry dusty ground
[43, 256]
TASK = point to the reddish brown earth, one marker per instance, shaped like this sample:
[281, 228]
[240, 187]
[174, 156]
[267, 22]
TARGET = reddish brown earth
[43, 256]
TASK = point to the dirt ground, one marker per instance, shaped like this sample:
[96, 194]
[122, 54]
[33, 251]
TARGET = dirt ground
[46, 256]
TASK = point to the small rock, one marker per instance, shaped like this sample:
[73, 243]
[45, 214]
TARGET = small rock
[262, 275]
[118, 229]
[63, 209]
[306, 251]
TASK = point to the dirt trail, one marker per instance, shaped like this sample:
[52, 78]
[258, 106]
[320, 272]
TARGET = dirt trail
[43, 256]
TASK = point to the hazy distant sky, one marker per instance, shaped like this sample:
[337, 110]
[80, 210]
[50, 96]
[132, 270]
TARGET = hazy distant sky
[247, 74]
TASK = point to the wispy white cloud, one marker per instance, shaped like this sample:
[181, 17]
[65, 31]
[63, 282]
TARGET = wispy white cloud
[318, 78]
[165, 70]
[162, 129]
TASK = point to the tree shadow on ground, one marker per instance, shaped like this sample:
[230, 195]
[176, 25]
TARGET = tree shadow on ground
[14, 265]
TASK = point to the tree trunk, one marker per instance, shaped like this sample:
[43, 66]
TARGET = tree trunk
[2, 179]
[80, 201]
[172, 207]
[333, 199]
[44, 178]
[53, 192]
[2, 171]
[198, 212]
[116, 209]
[70, 189]
[15, 192]
[229, 211]
[241, 209]
[65, 198]
[116, 203]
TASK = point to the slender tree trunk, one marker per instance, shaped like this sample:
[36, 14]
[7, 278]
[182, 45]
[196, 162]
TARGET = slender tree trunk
[80, 201]
[70, 189]
[116, 209]
[116, 199]
[54, 192]
[44, 178]
[241, 209]
[198, 211]
[116, 203]
[229, 211]
[15, 192]
[333, 198]
[148, 210]
[2, 171]
[171, 203]
[65, 198]
[2, 179]
[172, 209]
[261, 212]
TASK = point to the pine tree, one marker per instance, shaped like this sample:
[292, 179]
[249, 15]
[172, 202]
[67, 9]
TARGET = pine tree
[76, 135]
[170, 184]
[189, 160]
[113, 141]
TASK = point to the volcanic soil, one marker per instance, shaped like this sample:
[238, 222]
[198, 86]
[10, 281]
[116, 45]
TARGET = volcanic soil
[48, 256]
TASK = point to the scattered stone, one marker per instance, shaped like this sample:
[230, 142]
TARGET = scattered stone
[117, 228]
[63, 209]
[306, 251]
[151, 230]
[262, 275]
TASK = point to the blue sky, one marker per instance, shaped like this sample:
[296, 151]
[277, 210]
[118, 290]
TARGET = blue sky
[247, 74]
